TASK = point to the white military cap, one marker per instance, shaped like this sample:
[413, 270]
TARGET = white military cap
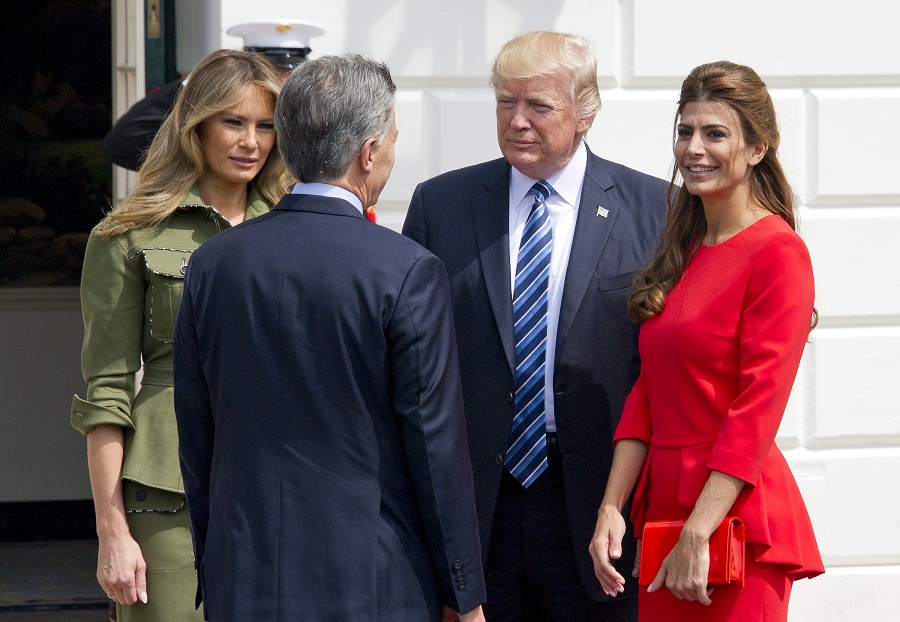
[285, 42]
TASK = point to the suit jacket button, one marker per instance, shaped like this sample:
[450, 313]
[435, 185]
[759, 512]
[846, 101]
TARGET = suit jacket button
[141, 496]
[510, 397]
[457, 564]
[498, 459]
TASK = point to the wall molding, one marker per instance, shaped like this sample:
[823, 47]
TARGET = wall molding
[39, 298]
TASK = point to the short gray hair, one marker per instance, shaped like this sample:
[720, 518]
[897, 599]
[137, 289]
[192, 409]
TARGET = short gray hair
[328, 108]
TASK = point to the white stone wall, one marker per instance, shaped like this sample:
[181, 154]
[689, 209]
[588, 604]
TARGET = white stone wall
[834, 71]
[42, 458]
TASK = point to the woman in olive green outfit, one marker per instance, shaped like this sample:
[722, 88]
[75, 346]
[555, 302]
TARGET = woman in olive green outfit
[195, 182]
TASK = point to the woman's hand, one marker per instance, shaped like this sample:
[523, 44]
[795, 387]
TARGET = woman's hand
[121, 570]
[685, 570]
[605, 546]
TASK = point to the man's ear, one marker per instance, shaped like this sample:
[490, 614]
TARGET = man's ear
[367, 155]
[584, 124]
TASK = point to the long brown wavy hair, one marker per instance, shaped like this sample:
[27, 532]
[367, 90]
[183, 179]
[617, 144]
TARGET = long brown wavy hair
[175, 161]
[745, 94]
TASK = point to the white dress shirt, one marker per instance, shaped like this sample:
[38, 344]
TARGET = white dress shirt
[563, 208]
[327, 190]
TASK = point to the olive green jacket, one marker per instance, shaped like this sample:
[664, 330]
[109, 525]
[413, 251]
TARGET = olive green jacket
[130, 289]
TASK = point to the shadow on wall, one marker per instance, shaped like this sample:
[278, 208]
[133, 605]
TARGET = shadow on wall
[471, 53]
[55, 107]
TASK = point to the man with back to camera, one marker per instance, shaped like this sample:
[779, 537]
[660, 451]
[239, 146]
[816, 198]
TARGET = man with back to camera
[541, 247]
[285, 43]
[320, 419]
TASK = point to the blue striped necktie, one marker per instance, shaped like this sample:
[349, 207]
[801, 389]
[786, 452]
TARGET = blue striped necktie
[526, 456]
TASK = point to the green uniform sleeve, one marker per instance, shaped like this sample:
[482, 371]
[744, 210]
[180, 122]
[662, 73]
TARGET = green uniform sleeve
[112, 304]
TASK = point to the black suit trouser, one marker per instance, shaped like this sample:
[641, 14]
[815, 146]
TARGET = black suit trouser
[531, 574]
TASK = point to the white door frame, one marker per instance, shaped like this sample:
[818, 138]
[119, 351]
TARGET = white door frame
[128, 74]
[199, 31]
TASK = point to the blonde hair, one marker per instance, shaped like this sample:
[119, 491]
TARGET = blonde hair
[743, 92]
[174, 161]
[552, 53]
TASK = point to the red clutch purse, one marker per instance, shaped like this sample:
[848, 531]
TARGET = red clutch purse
[726, 550]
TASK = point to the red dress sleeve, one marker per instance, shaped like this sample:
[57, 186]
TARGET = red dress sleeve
[775, 323]
[635, 421]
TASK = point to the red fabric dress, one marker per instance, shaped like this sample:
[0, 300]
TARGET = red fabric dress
[717, 369]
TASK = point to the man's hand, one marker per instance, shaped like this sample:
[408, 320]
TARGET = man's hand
[476, 615]
[636, 571]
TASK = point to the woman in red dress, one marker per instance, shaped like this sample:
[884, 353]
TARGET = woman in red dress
[726, 308]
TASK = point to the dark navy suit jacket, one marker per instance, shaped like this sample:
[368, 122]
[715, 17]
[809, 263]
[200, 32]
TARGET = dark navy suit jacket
[322, 435]
[463, 218]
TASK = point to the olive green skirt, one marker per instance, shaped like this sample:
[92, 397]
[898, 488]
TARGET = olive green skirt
[159, 523]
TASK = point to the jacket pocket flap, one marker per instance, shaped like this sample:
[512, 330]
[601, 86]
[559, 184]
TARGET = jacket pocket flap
[615, 281]
[167, 262]
[141, 498]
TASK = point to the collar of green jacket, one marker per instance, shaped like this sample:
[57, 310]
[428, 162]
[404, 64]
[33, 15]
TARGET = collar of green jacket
[256, 204]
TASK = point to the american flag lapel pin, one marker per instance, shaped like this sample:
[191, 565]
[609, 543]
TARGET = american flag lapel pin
[602, 211]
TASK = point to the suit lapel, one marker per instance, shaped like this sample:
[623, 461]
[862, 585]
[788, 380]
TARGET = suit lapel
[591, 234]
[490, 215]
